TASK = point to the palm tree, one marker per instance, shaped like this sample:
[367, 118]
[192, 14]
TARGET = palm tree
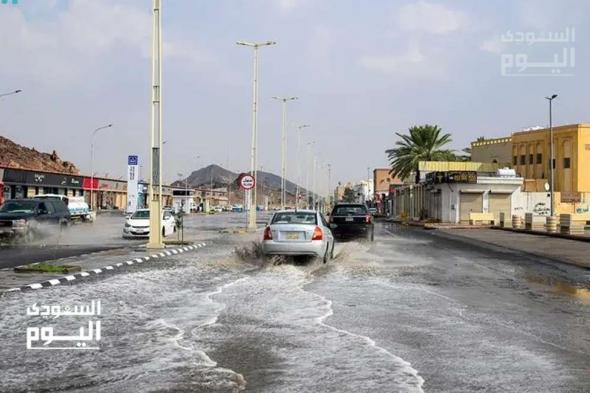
[424, 143]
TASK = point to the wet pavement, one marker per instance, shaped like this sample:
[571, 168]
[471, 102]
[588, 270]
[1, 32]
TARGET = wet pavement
[411, 312]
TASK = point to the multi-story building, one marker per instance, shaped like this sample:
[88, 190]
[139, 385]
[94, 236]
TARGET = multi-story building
[530, 156]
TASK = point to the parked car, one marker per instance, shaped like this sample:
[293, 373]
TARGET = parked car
[303, 232]
[22, 217]
[138, 225]
[352, 219]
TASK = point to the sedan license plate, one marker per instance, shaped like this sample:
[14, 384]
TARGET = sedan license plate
[292, 235]
[349, 219]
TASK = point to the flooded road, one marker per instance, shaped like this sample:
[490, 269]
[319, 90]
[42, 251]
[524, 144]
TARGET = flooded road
[410, 312]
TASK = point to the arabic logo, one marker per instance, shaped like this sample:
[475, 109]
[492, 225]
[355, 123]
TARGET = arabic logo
[84, 340]
[519, 64]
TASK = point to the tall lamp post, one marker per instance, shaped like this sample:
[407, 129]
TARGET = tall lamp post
[310, 146]
[92, 162]
[253, 155]
[155, 239]
[284, 101]
[10, 93]
[552, 147]
[297, 192]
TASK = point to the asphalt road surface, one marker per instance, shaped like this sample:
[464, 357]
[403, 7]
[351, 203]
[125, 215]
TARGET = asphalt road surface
[410, 312]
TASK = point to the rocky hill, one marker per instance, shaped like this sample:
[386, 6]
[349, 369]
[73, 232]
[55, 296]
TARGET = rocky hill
[221, 177]
[13, 155]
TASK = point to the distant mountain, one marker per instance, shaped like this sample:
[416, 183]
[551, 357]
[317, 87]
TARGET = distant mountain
[221, 177]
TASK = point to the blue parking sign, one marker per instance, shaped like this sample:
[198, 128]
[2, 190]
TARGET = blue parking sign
[132, 160]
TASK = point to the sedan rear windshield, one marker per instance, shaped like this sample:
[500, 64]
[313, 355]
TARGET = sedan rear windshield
[294, 218]
[18, 207]
[352, 210]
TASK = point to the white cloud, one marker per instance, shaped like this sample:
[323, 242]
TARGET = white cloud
[493, 45]
[430, 18]
[63, 48]
[414, 61]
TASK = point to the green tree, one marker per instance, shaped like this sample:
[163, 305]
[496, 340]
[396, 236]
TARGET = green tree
[423, 143]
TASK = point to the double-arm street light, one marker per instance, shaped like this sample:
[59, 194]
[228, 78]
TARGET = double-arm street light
[299, 177]
[253, 155]
[284, 101]
[552, 163]
[92, 162]
[10, 93]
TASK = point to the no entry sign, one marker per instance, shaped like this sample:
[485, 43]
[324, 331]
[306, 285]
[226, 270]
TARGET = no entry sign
[247, 182]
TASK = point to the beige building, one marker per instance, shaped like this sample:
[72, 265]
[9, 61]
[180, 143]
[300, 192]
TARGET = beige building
[497, 150]
[383, 180]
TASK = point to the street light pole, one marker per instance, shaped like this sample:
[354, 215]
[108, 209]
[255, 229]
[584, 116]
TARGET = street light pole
[297, 192]
[155, 239]
[92, 162]
[284, 148]
[552, 163]
[308, 163]
[10, 93]
[253, 155]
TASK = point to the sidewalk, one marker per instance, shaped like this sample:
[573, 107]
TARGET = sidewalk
[568, 251]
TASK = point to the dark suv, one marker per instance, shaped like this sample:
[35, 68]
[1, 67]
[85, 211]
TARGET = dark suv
[21, 217]
[352, 219]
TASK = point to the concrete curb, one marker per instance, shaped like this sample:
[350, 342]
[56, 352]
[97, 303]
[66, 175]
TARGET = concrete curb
[558, 235]
[110, 268]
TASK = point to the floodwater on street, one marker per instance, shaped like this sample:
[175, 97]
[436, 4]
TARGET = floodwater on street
[410, 312]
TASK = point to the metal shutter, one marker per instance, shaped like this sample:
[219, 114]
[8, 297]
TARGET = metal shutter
[470, 202]
[500, 203]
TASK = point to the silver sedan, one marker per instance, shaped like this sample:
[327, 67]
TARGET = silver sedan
[298, 232]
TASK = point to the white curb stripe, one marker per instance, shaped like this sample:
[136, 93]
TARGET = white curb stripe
[119, 264]
[36, 286]
[84, 274]
[109, 268]
[70, 278]
[129, 262]
[54, 282]
[97, 271]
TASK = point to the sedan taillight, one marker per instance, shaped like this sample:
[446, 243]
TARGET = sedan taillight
[267, 234]
[368, 218]
[317, 234]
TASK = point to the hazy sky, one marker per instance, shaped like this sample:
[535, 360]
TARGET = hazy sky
[362, 69]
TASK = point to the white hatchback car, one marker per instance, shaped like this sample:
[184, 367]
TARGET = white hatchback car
[298, 232]
[138, 224]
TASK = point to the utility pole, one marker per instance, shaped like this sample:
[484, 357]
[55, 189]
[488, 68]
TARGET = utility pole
[254, 152]
[284, 148]
[155, 240]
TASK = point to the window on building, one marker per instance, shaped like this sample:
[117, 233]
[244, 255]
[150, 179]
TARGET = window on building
[531, 159]
[522, 159]
[539, 158]
[515, 160]
[566, 163]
